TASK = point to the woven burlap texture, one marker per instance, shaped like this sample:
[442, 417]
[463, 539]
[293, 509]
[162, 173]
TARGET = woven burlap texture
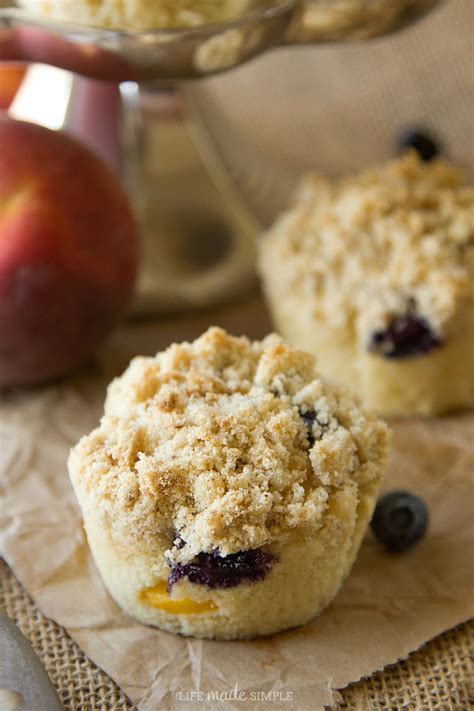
[438, 677]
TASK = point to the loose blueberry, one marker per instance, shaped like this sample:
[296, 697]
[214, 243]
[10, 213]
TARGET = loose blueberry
[421, 141]
[400, 520]
[404, 337]
[217, 572]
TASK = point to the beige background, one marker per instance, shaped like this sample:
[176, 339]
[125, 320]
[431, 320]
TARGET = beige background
[338, 108]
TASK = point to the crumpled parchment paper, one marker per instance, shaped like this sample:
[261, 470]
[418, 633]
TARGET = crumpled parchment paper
[389, 606]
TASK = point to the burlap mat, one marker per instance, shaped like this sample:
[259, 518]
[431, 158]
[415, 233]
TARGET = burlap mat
[439, 676]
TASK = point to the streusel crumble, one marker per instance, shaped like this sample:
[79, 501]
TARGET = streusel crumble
[138, 15]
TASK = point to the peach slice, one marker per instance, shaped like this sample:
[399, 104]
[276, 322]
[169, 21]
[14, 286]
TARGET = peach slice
[158, 597]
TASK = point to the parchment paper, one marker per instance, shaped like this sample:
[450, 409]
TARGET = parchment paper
[388, 607]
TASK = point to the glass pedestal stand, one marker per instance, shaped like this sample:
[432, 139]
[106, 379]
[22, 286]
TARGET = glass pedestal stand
[199, 235]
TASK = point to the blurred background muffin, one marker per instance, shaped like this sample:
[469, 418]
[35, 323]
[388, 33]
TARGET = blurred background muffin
[374, 274]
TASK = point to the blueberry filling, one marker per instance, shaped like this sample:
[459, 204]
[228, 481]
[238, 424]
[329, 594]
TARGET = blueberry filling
[179, 542]
[311, 418]
[421, 141]
[217, 572]
[405, 336]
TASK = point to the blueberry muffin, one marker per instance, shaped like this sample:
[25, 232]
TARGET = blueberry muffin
[137, 15]
[226, 491]
[374, 275]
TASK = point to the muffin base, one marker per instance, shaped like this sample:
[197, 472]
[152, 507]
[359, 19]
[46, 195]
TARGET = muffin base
[428, 384]
[309, 568]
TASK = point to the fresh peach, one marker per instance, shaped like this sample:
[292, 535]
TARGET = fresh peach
[68, 253]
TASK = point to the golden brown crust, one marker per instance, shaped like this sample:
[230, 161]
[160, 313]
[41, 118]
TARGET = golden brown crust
[206, 440]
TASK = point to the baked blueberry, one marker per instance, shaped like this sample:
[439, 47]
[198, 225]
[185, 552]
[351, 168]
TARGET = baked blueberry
[309, 419]
[405, 336]
[400, 520]
[217, 572]
[421, 141]
[312, 418]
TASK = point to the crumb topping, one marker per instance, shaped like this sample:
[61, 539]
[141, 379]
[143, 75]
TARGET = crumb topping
[387, 242]
[205, 443]
[138, 15]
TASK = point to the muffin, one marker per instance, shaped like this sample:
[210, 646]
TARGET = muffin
[226, 491]
[374, 275]
[138, 15]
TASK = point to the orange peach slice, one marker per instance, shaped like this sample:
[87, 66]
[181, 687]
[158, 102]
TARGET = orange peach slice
[158, 597]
